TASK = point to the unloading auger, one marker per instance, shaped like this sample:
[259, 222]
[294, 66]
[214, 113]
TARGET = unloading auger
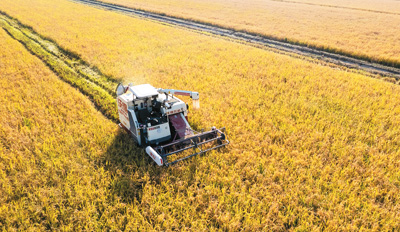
[157, 120]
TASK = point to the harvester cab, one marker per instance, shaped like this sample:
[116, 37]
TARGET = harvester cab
[158, 121]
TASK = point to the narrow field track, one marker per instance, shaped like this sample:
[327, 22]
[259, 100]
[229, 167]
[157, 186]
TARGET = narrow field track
[339, 7]
[69, 67]
[253, 39]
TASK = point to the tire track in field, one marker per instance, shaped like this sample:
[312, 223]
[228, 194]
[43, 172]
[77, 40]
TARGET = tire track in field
[73, 60]
[344, 60]
[67, 66]
[339, 7]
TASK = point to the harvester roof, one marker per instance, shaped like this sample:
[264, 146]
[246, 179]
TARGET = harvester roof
[143, 91]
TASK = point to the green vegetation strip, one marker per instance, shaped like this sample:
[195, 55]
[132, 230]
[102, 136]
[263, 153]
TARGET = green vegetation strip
[66, 65]
[70, 58]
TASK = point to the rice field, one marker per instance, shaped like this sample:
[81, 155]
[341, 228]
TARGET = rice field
[312, 147]
[364, 29]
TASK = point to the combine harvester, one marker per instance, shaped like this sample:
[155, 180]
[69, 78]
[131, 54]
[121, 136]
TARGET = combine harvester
[157, 120]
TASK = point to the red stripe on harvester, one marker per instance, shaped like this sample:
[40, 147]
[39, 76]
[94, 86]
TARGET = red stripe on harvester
[182, 94]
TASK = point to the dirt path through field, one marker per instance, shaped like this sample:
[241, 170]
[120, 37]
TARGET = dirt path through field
[254, 39]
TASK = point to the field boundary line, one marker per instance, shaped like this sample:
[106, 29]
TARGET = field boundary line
[63, 66]
[329, 55]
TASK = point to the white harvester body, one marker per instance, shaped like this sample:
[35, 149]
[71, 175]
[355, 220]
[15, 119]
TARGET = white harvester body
[156, 118]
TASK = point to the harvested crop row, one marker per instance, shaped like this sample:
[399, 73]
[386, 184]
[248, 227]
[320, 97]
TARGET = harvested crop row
[102, 99]
[312, 147]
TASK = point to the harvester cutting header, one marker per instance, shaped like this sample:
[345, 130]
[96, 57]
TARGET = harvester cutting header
[157, 120]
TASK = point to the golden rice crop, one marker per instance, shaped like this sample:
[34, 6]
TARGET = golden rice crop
[49, 137]
[311, 148]
[97, 87]
[366, 29]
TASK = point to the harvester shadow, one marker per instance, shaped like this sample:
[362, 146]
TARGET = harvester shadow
[128, 166]
[131, 169]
